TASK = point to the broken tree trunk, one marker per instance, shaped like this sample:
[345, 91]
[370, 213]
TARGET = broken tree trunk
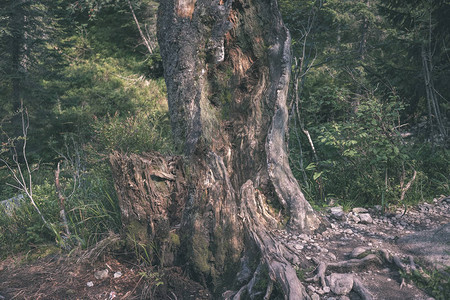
[227, 70]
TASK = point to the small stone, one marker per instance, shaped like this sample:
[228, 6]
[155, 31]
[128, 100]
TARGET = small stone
[340, 284]
[102, 274]
[366, 219]
[303, 236]
[315, 297]
[331, 255]
[90, 284]
[348, 231]
[359, 210]
[344, 298]
[298, 247]
[326, 289]
[337, 213]
[358, 251]
[118, 274]
[355, 219]
[378, 207]
[320, 291]
[311, 288]
[308, 258]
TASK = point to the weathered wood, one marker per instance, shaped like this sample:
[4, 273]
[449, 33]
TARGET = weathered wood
[227, 69]
[151, 192]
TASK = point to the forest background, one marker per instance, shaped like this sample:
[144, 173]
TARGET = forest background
[79, 79]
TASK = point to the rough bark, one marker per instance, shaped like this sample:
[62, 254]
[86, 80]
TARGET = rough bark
[151, 192]
[227, 70]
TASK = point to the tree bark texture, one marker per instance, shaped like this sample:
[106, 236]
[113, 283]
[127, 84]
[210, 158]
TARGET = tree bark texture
[227, 70]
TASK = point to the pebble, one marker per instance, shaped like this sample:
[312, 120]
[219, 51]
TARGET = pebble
[311, 288]
[326, 289]
[337, 213]
[348, 231]
[331, 255]
[366, 218]
[102, 274]
[315, 297]
[340, 284]
[359, 210]
[90, 284]
[358, 251]
[117, 274]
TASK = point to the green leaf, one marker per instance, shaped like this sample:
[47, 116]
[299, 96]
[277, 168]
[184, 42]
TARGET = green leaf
[311, 166]
[317, 175]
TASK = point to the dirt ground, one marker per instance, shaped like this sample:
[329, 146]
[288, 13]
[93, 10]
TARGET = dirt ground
[72, 277]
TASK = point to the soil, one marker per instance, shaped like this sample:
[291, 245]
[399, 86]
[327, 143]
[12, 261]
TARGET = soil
[67, 277]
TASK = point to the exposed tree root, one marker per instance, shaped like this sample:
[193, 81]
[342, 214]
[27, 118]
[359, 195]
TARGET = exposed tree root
[358, 263]
[258, 223]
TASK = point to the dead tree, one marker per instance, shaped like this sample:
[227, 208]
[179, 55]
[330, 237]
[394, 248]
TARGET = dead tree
[227, 70]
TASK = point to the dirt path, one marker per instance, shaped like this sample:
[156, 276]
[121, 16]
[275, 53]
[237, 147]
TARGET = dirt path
[361, 232]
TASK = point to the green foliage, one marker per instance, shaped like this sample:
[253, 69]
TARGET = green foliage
[361, 92]
[435, 283]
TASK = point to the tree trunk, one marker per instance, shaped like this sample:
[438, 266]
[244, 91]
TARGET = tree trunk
[227, 69]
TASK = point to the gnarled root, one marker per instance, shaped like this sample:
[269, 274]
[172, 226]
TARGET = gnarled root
[258, 224]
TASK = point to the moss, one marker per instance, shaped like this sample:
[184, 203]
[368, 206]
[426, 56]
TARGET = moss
[201, 253]
[175, 239]
[44, 251]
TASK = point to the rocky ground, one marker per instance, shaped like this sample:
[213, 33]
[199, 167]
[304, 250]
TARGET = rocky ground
[371, 248]
[361, 255]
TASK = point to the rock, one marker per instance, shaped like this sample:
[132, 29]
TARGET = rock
[344, 298]
[355, 218]
[11, 204]
[102, 274]
[304, 237]
[311, 288]
[331, 255]
[90, 284]
[117, 274]
[298, 247]
[2, 298]
[365, 218]
[315, 297]
[348, 231]
[326, 289]
[337, 213]
[340, 284]
[358, 251]
[359, 210]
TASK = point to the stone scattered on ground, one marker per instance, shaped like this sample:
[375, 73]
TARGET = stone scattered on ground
[340, 284]
[102, 274]
[423, 232]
